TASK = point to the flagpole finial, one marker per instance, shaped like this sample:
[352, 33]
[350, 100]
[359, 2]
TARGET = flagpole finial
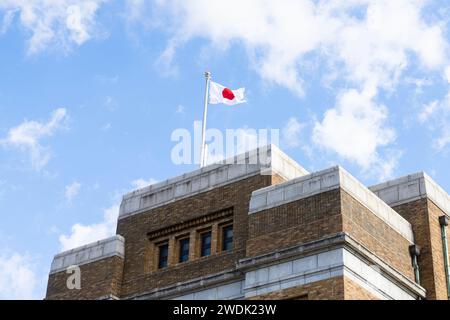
[207, 74]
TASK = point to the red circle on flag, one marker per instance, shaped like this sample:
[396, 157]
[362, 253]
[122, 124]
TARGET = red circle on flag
[227, 94]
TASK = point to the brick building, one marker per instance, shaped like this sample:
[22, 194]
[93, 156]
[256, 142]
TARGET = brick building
[268, 229]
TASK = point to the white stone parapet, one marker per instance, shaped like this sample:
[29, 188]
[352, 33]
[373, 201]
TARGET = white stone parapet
[113, 246]
[263, 160]
[410, 188]
[322, 181]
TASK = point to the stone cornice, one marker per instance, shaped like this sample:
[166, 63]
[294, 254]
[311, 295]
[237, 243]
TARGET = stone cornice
[192, 223]
[411, 188]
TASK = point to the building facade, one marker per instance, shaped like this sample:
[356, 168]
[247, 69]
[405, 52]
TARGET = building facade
[267, 229]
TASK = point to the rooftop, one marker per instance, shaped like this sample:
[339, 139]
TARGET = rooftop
[325, 180]
[263, 160]
[412, 187]
[113, 246]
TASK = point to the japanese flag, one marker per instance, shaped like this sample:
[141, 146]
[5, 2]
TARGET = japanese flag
[220, 94]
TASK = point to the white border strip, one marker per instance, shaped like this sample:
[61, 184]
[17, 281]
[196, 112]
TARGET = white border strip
[413, 187]
[266, 160]
[113, 246]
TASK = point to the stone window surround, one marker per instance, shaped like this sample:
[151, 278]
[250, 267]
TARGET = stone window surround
[193, 231]
[225, 213]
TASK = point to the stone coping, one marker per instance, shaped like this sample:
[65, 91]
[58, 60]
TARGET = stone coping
[263, 160]
[410, 188]
[326, 180]
[113, 246]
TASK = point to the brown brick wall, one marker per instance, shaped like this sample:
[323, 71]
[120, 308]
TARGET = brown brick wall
[138, 277]
[416, 213]
[337, 288]
[353, 291]
[438, 253]
[297, 222]
[322, 215]
[98, 279]
[423, 215]
[277, 179]
[329, 289]
[376, 235]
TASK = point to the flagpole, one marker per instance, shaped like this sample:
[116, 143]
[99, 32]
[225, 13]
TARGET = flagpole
[205, 111]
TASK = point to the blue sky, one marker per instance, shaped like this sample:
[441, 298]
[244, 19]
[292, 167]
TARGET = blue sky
[90, 92]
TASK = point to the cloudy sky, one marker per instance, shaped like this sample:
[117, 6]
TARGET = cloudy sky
[91, 90]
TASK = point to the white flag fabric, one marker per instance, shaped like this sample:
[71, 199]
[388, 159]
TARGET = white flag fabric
[221, 94]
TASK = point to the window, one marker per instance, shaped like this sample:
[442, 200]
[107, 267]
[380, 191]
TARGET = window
[227, 238]
[163, 255]
[184, 250]
[205, 249]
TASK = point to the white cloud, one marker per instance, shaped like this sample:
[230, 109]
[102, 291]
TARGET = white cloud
[60, 23]
[291, 132]
[436, 115]
[134, 10]
[107, 79]
[110, 103]
[355, 129]
[180, 109]
[28, 135]
[427, 111]
[2, 187]
[18, 279]
[106, 127]
[142, 183]
[72, 190]
[447, 73]
[370, 38]
[83, 234]
[362, 45]
[7, 20]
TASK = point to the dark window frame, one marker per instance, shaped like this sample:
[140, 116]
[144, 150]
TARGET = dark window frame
[227, 244]
[183, 255]
[163, 260]
[205, 250]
